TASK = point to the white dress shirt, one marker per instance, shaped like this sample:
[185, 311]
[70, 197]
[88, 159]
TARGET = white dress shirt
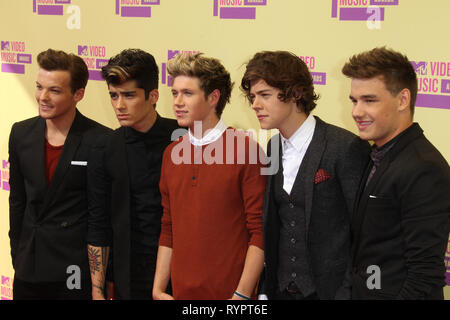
[294, 150]
[210, 136]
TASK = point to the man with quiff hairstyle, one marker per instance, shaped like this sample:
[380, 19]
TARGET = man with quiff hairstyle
[400, 225]
[124, 199]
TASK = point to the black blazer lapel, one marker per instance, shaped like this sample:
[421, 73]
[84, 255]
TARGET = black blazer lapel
[313, 156]
[360, 208]
[407, 136]
[117, 167]
[67, 155]
[359, 194]
[37, 155]
[271, 222]
[270, 216]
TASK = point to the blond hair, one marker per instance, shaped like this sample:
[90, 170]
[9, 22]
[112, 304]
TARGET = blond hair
[211, 73]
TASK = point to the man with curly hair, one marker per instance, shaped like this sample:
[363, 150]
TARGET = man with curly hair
[309, 201]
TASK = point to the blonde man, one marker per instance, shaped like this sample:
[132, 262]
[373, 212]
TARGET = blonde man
[211, 244]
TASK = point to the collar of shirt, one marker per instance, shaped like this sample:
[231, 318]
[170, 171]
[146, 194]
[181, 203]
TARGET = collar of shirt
[301, 136]
[294, 150]
[210, 136]
[379, 153]
[132, 135]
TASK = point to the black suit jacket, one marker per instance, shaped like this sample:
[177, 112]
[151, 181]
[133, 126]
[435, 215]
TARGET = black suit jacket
[401, 223]
[109, 200]
[328, 208]
[48, 224]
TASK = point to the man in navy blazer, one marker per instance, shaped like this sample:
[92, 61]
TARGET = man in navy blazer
[48, 201]
[309, 200]
[400, 225]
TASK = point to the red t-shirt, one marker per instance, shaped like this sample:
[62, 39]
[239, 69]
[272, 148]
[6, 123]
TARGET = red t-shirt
[52, 155]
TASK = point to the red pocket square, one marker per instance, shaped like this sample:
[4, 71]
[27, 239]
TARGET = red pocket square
[321, 176]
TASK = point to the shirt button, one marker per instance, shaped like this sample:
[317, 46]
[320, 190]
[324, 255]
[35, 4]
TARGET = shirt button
[193, 178]
[293, 274]
[291, 206]
[293, 240]
[293, 259]
[292, 223]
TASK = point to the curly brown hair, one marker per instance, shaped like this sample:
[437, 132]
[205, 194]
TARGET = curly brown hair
[285, 71]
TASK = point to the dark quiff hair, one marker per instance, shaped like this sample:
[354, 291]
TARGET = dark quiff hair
[395, 68]
[52, 60]
[132, 64]
[285, 71]
[211, 73]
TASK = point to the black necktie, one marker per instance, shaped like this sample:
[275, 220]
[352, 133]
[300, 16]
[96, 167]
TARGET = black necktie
[377, 156]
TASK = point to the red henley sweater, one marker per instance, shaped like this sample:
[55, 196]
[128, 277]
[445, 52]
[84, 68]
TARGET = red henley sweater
[212, 213]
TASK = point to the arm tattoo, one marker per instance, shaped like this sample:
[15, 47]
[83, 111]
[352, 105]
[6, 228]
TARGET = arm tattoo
[102, 290]
[94, 259]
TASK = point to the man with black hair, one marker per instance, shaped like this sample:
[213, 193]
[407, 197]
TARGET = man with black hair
[123, 176]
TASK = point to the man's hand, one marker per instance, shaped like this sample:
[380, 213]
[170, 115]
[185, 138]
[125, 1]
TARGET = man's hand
[162, 274]
[159, 295]
[97, 293]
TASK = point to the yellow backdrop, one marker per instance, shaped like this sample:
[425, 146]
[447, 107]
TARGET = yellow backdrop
[324, 33]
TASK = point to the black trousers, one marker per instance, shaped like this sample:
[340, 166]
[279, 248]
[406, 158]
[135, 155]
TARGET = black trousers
[23, 290]
[293, 293]
[284, 295]
[143, 267]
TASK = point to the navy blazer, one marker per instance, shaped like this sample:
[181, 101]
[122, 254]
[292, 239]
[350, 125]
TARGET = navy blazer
[48, 224]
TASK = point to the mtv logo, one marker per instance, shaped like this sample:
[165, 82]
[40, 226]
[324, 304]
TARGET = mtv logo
[172, 53]
[165, 78]
[6, 281]
[83, 51]
[420, 67]
[5, 45]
